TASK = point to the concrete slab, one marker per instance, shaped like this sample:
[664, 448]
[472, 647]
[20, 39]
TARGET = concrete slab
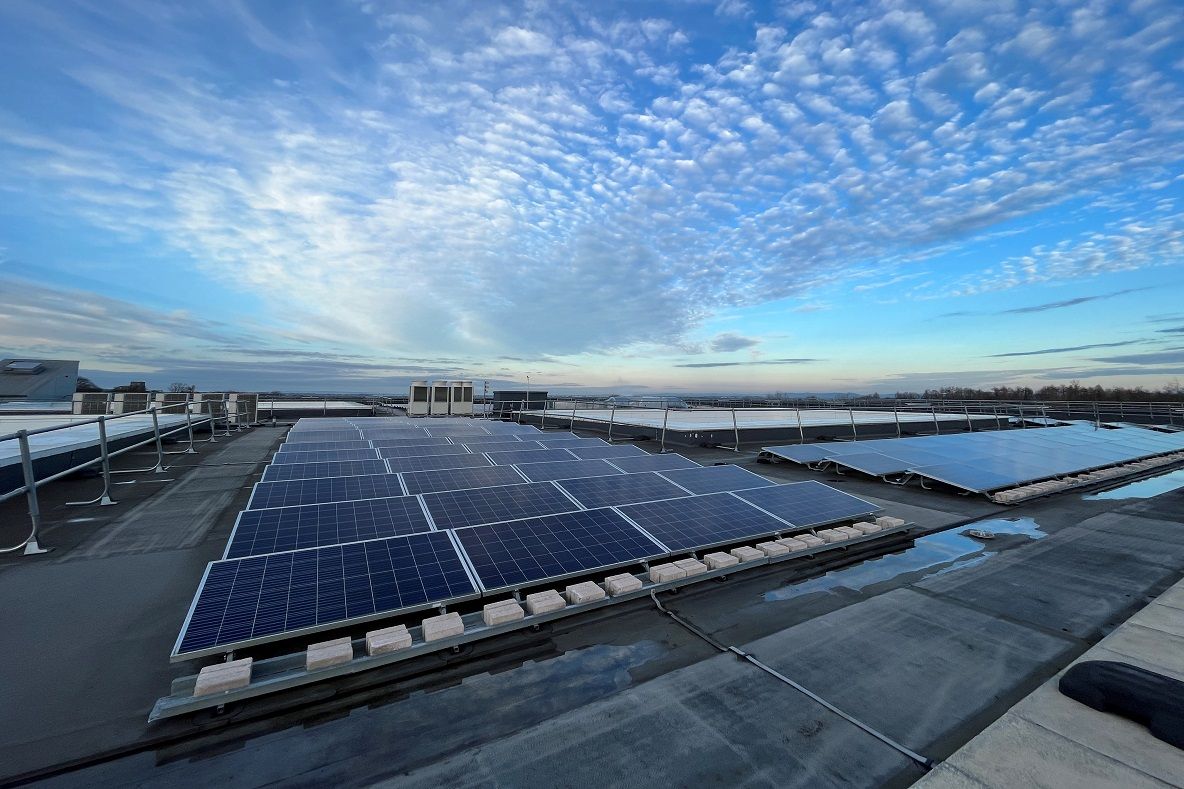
[586, 592]
[388, 639]
[719, 559]
[442, 626]
[747, 554]
[222, 677]
[501, 612]
[622, 584]
[662, 573]
[544, 602]
[328, 653]
[772, 548]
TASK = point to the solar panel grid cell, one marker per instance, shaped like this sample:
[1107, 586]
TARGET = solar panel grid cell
[623, 451]
[422, 451]
[322, 491]
[460, 479]
[399, 465]
[715, 479]
[323, 456]
[322, 446]
[277, 472]
[624, 489]
[807, 504]
[530, 456]
[458, 508]
[290, 528]
[653, 463]
[702, 521]
[566, 469]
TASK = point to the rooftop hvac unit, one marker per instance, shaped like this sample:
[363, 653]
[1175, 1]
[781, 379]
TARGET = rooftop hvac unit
[91, 403]
[129, 402]
[417, 399]
[461, 398]
[439, 404]
[245, 407]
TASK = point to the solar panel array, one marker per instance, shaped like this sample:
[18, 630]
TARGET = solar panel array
[986, 461]
[315, 553]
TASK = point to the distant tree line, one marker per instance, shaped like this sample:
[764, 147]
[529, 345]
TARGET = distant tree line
[1054, 392]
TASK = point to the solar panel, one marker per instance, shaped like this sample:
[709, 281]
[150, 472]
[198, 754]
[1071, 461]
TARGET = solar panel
[342, 468]
[255, 599]
[460, 430]
[322, 446]
[519, 553]
[422, 452]
[621, 489]
[304, 437]
[872, 463]
[716, 479]
[501, 446]
[566, 469]
[530, 456]
[421, 441]
[808, 504]
[323, 491]
[324, 455]
[436, 462]
[456, 508]
[460, 479]
[702, 521]
[485, 440]
[311, 526]
[393, 433]
[622, 451]
[568, 441]
[653, 463]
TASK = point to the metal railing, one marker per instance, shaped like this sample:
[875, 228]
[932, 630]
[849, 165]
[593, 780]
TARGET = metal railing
[218, 411]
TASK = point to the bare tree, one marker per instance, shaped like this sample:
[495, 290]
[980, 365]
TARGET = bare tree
[180, 387]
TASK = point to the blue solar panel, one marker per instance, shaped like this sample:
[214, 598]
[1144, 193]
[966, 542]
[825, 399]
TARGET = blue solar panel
[422, 441]
[254, 599]
[322, 446]
[568, 440]
[872, 463]
[311, 526]
[304, 436]
[622, 489]
[398, 465]
[322, 491]
[530, 456]
[808, 504]
[456, 508]
[716, 479]
[702, 521]
[393, 433]
[501, 446]
[486, 440]
[520, 553]
[444, 430]
[621, 451]
[325, 455]
[343, 468]
[653, 463]
[566, 469]
[422, 452]
[460, 479]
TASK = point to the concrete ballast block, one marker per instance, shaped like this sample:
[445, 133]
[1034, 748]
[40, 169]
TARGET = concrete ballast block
[691, 566]
[831, 535]
[328, 653]
[888, 522]
[586, 592]
[746, 553]
[501, 612]
[811, 540]
[442, 626]
[850, 531]
[793, 544]
[662, 573]
[544, 602]
[622, 584]
[772, 548]
[388, 639]
[865, 527]
[222, 677]
[719, 559]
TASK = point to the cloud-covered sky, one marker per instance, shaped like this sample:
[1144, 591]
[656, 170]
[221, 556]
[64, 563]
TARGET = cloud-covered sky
[684, 196]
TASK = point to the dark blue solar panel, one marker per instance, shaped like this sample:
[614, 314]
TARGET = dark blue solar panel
[444, 430]
[322, 446]
[808, 503]
[422, 441]
[456, 508]
[501, 446]
[422, 451]
[653, 463]
[344, 468]
[519, 553]
[621, 451]
[460, 478]
[311, 526]
[485, 440]
[394, 434]
[702, 521]
[622, 489]
[306, 436]
[242, 601]
[436, 462]
[530, 456]
[325, 455]
[872, 463]
[568, 440]
[322, 491]
[566, 469]
[716, 479]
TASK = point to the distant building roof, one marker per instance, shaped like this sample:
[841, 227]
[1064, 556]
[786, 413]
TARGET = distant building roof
[38, 379]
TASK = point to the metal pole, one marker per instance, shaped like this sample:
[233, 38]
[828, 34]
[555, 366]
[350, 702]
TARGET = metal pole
[735, 430]
[1023, 423]
[325, 406]
[226, 416]
[1097, 417]
[521, 408]
[995, 410]
[896, 416]
[969, 425]
[611, 417]
[854, 432]
[1121, 414]
[801, 430]
[936, 427]
[189, 429]
[159, 449]
[665, 417]
[31, 545]
[543, 418]
[105, 499]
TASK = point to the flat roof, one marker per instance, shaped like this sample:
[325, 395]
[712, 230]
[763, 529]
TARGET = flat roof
[755, 418]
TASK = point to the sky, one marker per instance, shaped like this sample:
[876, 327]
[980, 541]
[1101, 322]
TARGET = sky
[603, 197]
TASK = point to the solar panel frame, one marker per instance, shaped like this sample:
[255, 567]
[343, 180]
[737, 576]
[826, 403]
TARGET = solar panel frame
[678, 523]
[422, 451]
[436, 463]
[607, 453]
[325, 455]
[424, 441]
[502, 446]
[311, 525]
[706, 480]
[322, 446]
[660, 462]
[445, 552]
[439, 480]
[325, 490]
[529, 456]
[279, 472]
[570, 441]
[458, 509]
[801, 517]
[305, 436]
[517, 541]
[612, 491]
[546, 472]
[494, 439]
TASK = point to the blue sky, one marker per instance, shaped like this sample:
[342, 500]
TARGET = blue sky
[631, 196]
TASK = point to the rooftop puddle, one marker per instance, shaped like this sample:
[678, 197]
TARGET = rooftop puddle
[935, 554]
[1143, 489]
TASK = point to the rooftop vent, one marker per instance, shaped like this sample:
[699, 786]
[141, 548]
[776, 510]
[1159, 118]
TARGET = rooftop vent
[24, 368]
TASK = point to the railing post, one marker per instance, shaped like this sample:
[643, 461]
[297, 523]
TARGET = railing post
[936, 427]
[543, 418]
[1023, 422]
[325, 406]
[801, 430]
[612, 415]
[32, 547]
[969, 424]
[1097, 417]
[665, 418]
[189, 429]
[896, 416]
[571, 427]
[159, 448]
[1121, 413]
[851, 416]
[735, 431]
[521, 408]
[995, 410]
[105, 499]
